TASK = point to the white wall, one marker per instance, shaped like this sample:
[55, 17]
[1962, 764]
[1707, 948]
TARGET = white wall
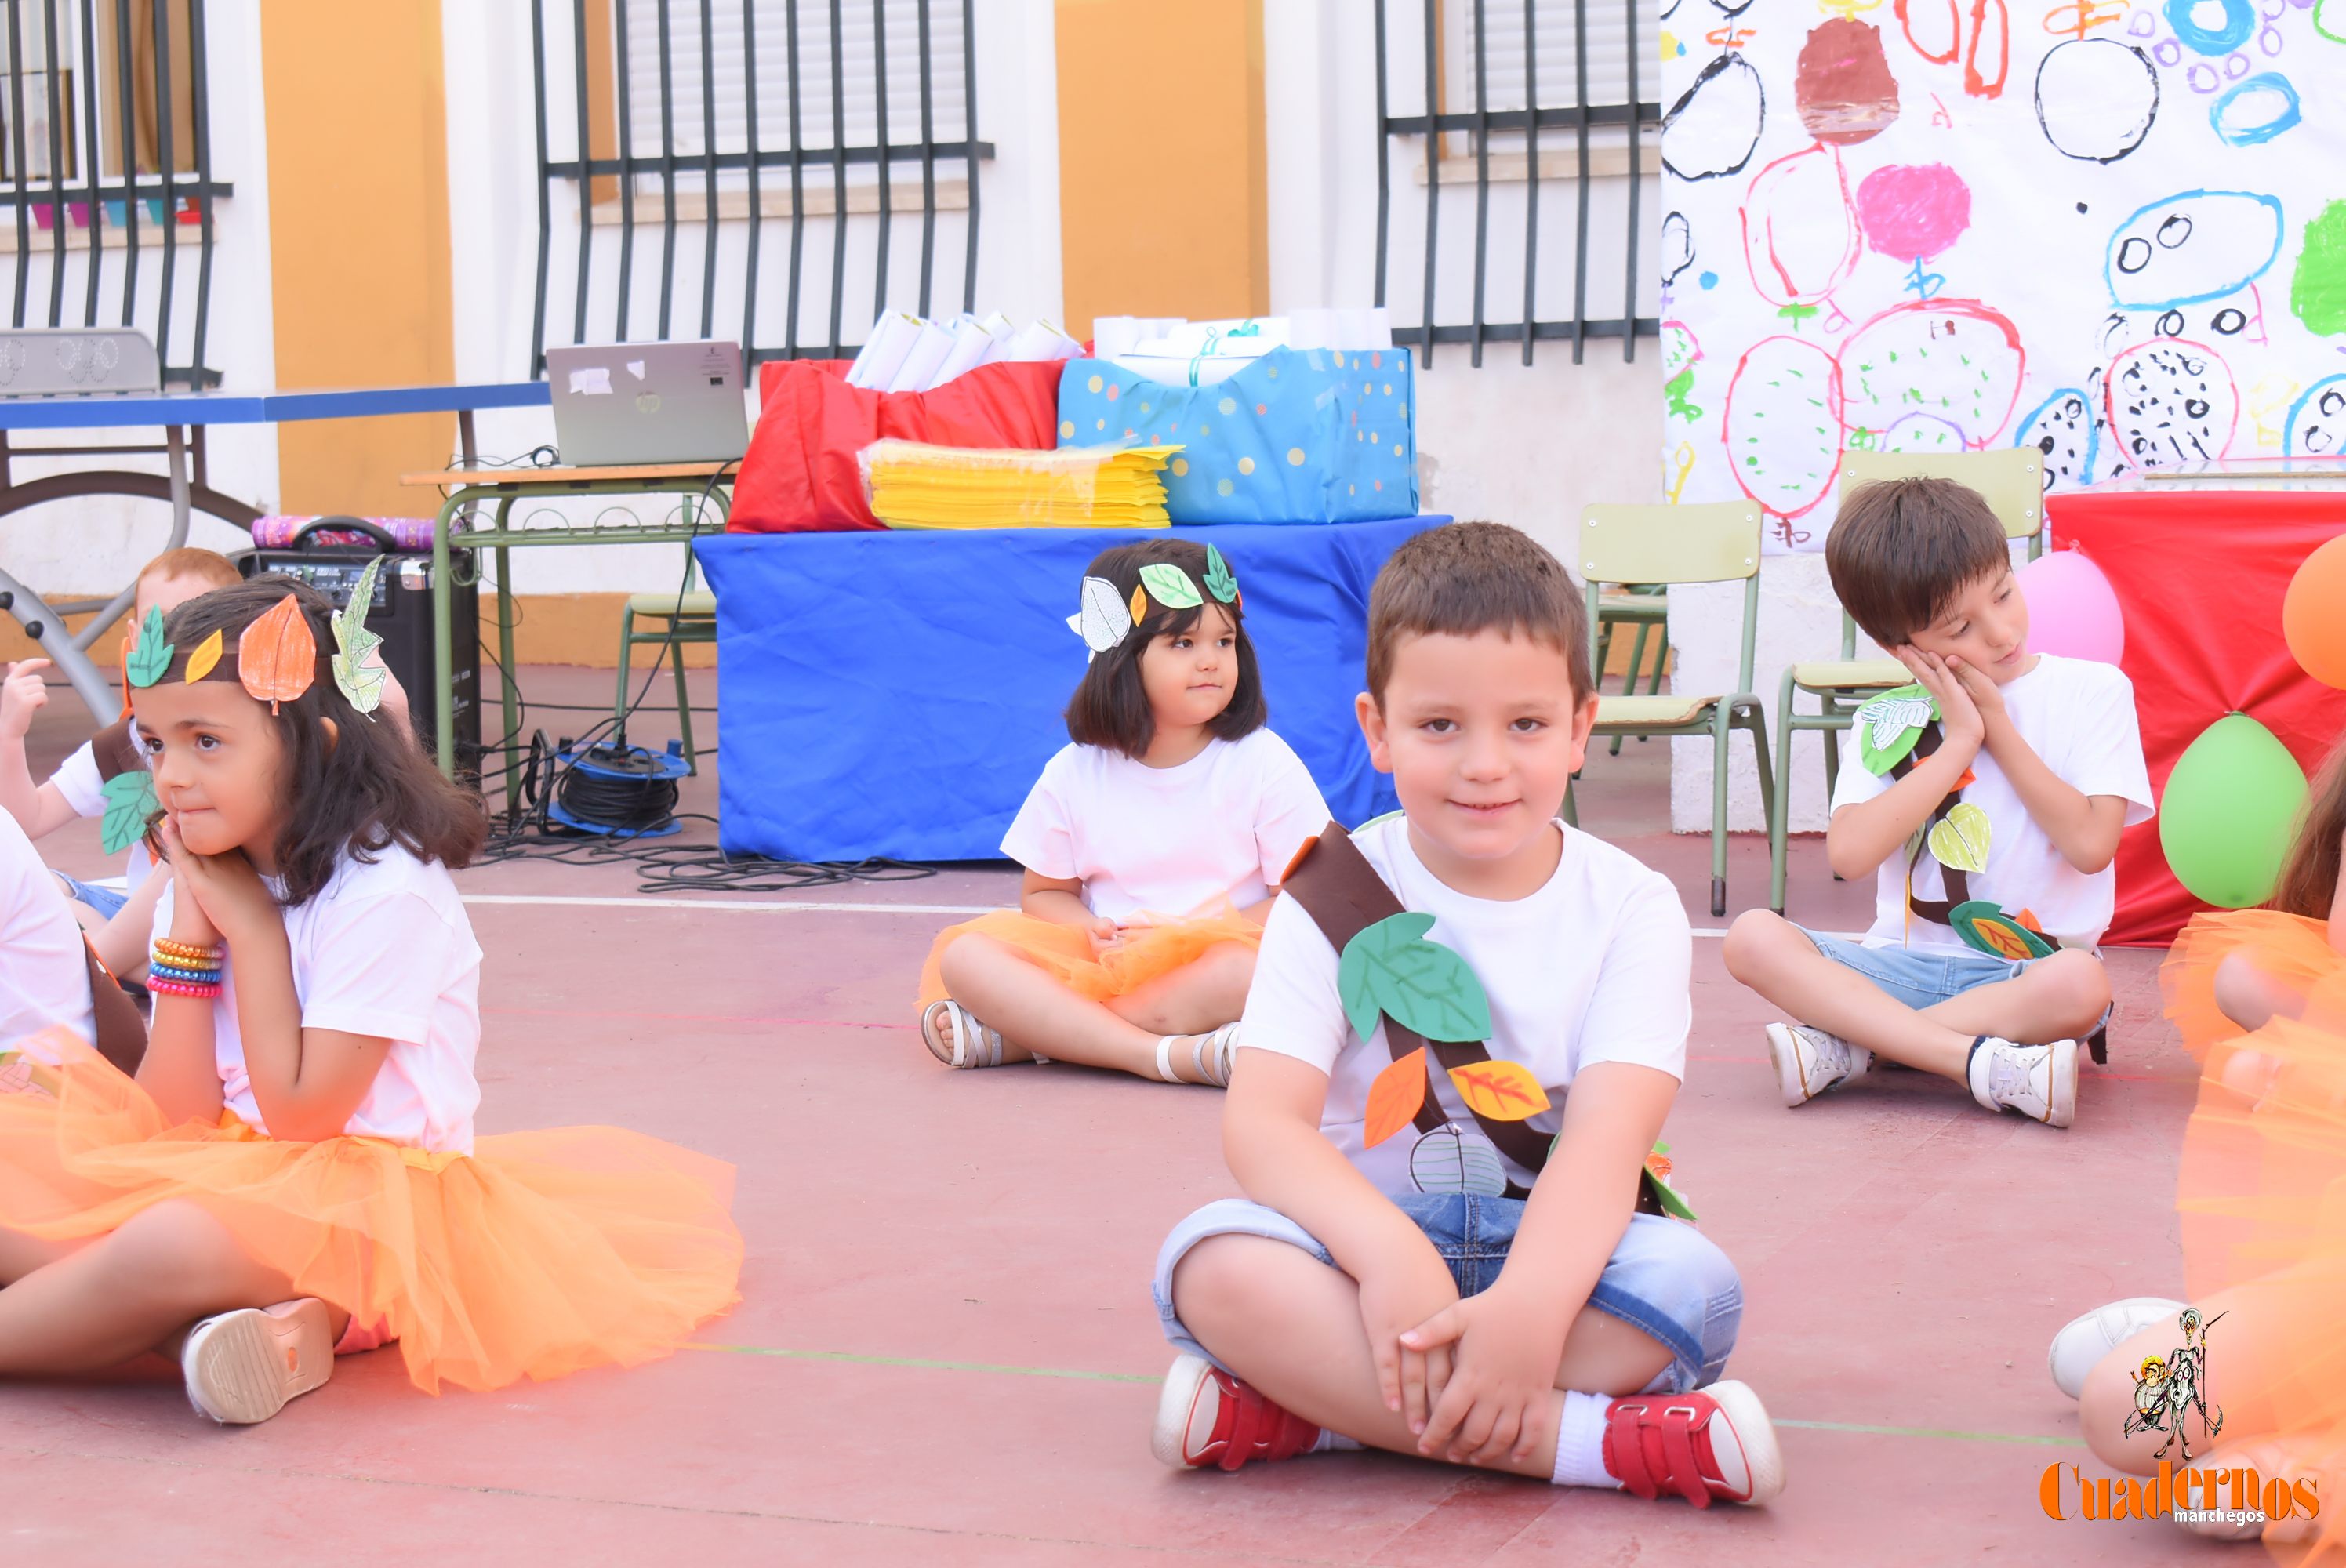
[94, 545]
[492, 201]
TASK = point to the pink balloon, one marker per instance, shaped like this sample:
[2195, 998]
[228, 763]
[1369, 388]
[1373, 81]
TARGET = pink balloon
[2072, 610]
[1912, 211]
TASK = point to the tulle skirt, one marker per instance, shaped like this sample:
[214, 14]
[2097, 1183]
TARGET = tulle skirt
[537, 1255]
[2288, 948]
[1066, 951]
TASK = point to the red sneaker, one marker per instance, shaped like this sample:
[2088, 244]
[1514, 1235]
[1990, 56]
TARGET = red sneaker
[1206, 1417]
[1714, 1444]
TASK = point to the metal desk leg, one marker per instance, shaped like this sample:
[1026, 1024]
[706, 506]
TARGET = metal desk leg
[175, 446]
[505, 661]
[444, 655]
[48, 633]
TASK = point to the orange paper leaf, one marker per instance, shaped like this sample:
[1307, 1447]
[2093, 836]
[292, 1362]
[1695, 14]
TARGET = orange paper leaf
[1139, 605]
[1296, 859]
[1394, 1098]
[1503, 1091]
[2028, 919]
[206, 656]
[277, 656]
[1967, 780]
[2006, 945]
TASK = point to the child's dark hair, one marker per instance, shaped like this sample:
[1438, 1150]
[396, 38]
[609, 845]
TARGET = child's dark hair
[1901, 549]
[359, 786]
[1474, 577]
[1110, 708]
[2309, 878]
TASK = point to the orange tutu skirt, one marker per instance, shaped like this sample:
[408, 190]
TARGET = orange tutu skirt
[536, 1254]
[2288, 948]
[1065, 951]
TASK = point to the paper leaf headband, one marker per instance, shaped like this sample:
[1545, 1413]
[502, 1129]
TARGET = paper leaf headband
[276, 656]
[1106, 620]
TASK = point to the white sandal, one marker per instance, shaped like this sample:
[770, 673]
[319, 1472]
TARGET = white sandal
[1211, 1056]
[956, 1037]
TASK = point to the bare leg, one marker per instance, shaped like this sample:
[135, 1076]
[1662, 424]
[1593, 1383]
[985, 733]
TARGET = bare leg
[21, 1254]
[1036, 1014]
[1290, 1325]
[2251, 996]
[129, 1292]
[2253, 1347]
[2054, 1000]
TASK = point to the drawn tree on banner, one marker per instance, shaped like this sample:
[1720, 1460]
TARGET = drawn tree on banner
[2111, 229]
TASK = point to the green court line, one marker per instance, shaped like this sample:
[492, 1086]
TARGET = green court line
[921, 1363]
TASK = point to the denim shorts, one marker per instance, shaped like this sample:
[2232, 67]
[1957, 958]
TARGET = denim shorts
[1665, 1277]
[107, 901]
[1919, 976]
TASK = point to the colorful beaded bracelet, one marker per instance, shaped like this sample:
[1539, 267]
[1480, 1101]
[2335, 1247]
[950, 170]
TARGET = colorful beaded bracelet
[184, 976]
[181, 988]
[165, 948]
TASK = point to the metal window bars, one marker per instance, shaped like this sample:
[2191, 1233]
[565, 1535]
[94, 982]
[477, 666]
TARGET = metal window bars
[714, 101]
[1546, 88]
[106, 159]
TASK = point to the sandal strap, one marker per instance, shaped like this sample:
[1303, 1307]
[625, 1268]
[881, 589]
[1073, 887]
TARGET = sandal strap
[1165, 1058]
[1212, 1055]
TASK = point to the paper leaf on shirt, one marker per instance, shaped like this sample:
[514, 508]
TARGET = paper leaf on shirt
[1450, 1159]
[1984, 926]
[1656, 1178]
[277, 656]
[1960, 841]
[1220, 581]
[1391, 968]
[1171, 587]
[360, 677]
[143, 665]
[1394, 1098]
[130, 802]
[1502, 1091]
[1103, 622]
[207, 656]
[1889, 725]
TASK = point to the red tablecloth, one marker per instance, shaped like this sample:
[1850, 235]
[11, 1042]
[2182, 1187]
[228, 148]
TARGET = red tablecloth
[2200, 575]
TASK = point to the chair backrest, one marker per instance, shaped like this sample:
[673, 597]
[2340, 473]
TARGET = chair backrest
[2010, 478]
[1709, 542]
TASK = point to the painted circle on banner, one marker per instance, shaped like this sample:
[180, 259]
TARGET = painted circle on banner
[1921, 432]
[1800, 235]
[2252, 112]
[2097, 98]
[1715, 125]
[2211, 26]
[1783, 424]
[1956, 361]
[1843, 86]
[2193, 246]
[2171, 402]
[2316, 426]
[1912, 211]
[2317, 288]
[2064, 428]
[1678, 246]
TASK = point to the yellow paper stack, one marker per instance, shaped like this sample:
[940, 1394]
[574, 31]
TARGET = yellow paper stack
[913, 486]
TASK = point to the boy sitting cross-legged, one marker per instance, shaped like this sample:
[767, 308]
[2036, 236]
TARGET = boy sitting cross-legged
[1413, 1269]
[1986, 801]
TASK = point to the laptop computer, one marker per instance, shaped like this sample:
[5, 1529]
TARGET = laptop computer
[618, 405]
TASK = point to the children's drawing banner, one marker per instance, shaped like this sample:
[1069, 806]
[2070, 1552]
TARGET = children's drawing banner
[2113, 231]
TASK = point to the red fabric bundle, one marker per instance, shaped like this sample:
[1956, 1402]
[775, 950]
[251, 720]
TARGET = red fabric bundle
[800, 476]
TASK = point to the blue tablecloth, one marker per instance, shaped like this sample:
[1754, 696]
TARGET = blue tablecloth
[897, 692]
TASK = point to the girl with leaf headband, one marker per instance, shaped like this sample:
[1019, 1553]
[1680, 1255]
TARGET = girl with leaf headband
[293, 1172]
[1152, 842]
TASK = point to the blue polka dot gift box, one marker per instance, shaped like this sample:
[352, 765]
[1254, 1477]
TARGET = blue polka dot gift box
[1301, 435]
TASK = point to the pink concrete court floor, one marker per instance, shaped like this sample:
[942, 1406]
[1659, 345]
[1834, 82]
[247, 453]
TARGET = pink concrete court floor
[945, 1351]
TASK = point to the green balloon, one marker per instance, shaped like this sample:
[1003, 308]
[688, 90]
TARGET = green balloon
[2229, 811]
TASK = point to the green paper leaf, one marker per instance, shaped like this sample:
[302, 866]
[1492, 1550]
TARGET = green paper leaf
[1390, 968]
[1984, 926]
[360, 677]
[130, 802]
[1889, 725]
[1960, 841]
[1667, 1196]
[144, 664]
[1220, 581]
[1170, 585]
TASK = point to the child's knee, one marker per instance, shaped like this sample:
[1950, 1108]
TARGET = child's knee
[1214, 1282]
[962, 957]
[1229, 964]
[2078, 987]
[1755, 936]
[2242, 993]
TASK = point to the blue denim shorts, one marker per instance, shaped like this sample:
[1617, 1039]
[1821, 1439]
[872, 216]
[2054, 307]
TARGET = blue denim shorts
[1665, 1277]
[107, 901]
[1919, 976]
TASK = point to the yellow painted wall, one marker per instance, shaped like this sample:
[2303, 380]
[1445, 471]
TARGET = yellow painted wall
[358, 233]
[1163, 207]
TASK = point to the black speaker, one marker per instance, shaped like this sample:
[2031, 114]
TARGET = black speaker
[401, 614]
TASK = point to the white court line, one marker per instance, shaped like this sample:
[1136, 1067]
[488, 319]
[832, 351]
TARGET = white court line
[812, 906]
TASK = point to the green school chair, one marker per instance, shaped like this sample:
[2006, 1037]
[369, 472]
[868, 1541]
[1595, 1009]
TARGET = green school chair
[1647, 608]
[1714, 543]
[2012, 479]
[685, 617]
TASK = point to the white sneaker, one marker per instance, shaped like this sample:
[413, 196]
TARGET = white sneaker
[242, 1367]
[2040, 1082]
[1810, 1061]
[2084, 1341]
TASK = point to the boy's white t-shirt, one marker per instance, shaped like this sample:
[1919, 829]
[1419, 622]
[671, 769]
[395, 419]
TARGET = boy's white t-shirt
[384, 949]
[79, 787]
[1596, 966]
[43, 971]
[2078, 716]
[1174, 841]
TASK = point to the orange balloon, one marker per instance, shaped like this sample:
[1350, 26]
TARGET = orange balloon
[2313, 615]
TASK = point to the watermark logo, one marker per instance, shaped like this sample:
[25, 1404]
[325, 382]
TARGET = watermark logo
[2167, 1393]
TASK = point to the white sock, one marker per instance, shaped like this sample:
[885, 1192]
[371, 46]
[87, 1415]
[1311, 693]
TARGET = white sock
[1580, 1442]
[1333, 1442]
